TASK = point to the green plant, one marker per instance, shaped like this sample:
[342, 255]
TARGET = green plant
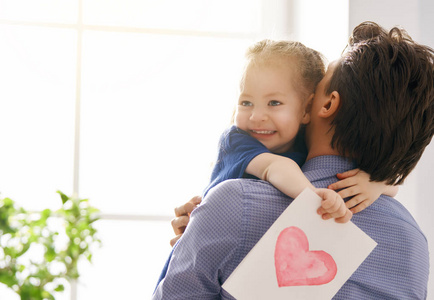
[39, 251]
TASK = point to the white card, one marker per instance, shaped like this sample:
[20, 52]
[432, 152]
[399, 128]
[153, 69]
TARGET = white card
[301, 256]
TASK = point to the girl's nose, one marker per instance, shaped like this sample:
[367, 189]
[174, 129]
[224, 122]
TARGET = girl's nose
[258, 115]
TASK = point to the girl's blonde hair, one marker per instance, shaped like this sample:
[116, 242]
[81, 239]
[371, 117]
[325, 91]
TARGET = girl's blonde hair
[309, 66]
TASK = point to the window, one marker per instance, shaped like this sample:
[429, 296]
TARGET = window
[122, 102]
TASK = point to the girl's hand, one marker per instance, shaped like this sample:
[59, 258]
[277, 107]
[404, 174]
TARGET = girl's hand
[182, 217]
[356, 184]
[333, 206]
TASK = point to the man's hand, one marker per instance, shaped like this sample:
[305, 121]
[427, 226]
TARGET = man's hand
[333, 206]
[182, 217]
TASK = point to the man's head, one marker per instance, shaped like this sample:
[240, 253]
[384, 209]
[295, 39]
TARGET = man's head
[380, 102]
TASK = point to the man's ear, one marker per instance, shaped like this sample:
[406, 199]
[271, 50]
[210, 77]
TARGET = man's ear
[331, 106]
[307, 110]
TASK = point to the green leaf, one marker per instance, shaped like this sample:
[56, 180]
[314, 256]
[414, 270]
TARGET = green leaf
[50, 255]
[45, 214]
[63, 196]
[6, 278]
[8, 202]
[46, 295]
[60, 288]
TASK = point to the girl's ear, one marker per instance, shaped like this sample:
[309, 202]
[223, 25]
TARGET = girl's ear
[331, 106]
[307, 110]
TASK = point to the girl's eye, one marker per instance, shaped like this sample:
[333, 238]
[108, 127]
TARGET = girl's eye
[274, 103]
[246, 103]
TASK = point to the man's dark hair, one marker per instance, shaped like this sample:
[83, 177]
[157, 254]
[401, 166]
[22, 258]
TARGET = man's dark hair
[386, 85]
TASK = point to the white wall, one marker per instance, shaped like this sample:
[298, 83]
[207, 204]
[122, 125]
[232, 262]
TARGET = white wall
[416, 17]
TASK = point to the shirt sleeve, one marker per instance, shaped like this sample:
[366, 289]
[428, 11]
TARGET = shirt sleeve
[208, 245]
[236, 149]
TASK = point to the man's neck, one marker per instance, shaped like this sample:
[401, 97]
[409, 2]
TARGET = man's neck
[319, 147]
[318, 140]
[321, 152]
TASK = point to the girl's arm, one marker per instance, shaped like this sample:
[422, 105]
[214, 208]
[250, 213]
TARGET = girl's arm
[285, 175]
[356, 184]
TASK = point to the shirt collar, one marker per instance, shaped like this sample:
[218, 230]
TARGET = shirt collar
[326, 165]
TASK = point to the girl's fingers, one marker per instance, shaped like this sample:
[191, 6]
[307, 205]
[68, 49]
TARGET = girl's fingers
[339, 217]
[349, 192]
[339, 210]
[331, 201]
[360, 207]
[326, 216]
[348, 215]
[332, 206]
[355, 201]
[342, 183]
[347, 174]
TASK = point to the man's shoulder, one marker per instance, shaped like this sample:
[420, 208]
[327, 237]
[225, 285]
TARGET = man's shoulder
[402, 248]
[255, 199]
[389, 207]
[242, 187]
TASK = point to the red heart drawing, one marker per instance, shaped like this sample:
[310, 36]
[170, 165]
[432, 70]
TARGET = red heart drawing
[296, 265]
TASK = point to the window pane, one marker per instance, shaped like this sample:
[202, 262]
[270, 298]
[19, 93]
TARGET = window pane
[64, 11]
[37, 114]
[153, 108]
[239, 16]
[128, 264]
[318, 34]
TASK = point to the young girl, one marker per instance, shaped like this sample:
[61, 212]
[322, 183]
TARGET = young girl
[276, 89]
[267, 142]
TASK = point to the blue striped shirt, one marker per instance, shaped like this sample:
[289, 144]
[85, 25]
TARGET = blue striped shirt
[236, 213]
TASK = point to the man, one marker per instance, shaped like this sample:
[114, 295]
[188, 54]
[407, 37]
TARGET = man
[373, 110]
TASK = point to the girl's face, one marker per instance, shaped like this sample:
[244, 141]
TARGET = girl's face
[269, 107]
